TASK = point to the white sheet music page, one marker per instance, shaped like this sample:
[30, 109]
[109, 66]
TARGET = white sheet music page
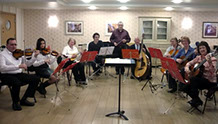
[119, 61]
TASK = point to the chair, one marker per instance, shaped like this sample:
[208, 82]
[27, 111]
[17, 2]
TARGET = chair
[10, 88]
[210, 93]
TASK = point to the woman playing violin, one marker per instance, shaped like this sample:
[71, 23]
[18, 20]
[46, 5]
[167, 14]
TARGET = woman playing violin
[208, 79]
[42, 69]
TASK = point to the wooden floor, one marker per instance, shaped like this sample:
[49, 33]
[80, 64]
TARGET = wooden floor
[90, 104]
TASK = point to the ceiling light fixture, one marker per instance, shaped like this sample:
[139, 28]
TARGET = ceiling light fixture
[123, 1]
[168, 9]
[86, 1]
[123, 8]
[92, 7]
[177, 1]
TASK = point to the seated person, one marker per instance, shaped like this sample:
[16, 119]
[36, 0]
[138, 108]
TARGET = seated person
[95, 46]
[170, 53]
[12, 75]
[71, 51]
[186, 51]
[137, 46]
[207, 80]
[173, 48]
[41, 66]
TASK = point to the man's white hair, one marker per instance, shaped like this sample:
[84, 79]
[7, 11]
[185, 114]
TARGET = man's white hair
[120, 22]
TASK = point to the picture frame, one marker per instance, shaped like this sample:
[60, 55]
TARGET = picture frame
[74, 27]
[110, 27]
[209, 30]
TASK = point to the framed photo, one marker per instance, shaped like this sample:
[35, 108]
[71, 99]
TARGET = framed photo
[210, 29]
[110, 27]
[73, 27]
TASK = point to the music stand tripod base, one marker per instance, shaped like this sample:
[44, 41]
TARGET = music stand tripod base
[119, 113]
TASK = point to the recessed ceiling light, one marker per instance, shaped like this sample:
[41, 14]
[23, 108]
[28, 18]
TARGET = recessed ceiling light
[123, 8]
[92, 7]
[177, 1]
[86, 1]
[123, 1]
[168, 9]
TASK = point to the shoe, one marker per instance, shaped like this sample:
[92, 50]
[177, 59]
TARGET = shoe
[83, 83]
[41, 89]
[26, 103]
[117, 73]
[122, 73]
[172, 91]
[16, 107]
[131, 77]
[195, 103]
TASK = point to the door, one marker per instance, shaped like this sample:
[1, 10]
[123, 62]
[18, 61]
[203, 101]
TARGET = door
[8, 27]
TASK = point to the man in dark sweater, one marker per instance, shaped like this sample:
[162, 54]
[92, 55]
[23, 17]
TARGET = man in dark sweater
[95, 46]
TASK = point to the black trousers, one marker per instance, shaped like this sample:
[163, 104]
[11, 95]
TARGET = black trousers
[99, 62]
[78, 69]
[18, 80]
[197, 83]
[172, 84]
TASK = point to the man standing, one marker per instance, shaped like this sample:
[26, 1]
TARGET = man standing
[119, 38]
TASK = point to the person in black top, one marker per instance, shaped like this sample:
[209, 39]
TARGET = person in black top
[95, 46]
[137, 45]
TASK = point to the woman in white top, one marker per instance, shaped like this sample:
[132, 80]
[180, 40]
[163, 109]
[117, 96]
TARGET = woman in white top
[41, 66]
[71, 51]
[173, 49]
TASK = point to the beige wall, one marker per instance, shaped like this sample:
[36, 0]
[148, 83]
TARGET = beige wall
[94, 21]
[19, 22]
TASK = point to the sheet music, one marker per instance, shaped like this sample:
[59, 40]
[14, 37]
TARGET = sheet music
[119, 61]
[106, 50]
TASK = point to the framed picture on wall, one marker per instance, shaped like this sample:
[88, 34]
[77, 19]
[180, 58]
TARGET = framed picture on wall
[73, 27]
[110, 27]
[209, 29]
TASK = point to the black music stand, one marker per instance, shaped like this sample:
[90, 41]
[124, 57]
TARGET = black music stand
[106, 52]
[171, 66]
[130, 54]
[120, 112]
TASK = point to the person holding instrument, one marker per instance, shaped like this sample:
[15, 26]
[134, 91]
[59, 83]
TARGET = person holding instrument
[137, 46]
[41, 65]
[173, 49]
[95, 46]
[188, 53]
[207, 80]
[171, 52]
[119, 38]
[71, 51]
[12, 75]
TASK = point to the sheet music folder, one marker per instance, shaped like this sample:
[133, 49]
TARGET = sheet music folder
[106, 51]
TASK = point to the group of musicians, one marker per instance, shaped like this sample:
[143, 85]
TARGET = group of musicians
[13, 76]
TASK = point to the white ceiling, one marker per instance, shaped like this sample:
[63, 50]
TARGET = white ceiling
[186, 5]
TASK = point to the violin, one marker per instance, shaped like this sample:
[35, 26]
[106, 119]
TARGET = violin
[47, 51]
[19, 53]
